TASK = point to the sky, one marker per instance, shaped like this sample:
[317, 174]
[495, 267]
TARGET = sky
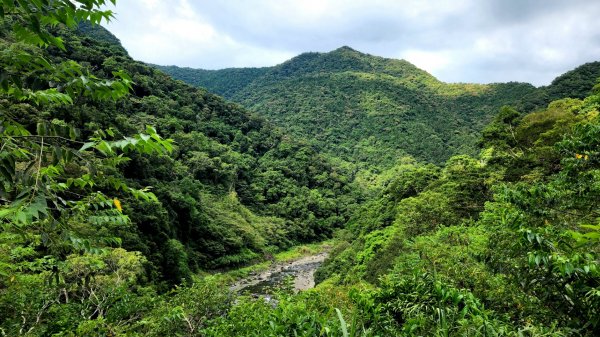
[479, 41]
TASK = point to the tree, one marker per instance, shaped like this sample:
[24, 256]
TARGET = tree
[41, 167]
[59, 203]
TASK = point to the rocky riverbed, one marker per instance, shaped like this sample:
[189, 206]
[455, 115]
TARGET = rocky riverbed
[302, 271]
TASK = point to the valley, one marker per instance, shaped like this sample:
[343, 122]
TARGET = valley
[335, 194]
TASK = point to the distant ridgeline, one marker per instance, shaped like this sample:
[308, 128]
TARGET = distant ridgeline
[116, 188]
[577, 83]
[363, 108]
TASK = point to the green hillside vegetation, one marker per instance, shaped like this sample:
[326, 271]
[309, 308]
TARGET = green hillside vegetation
[362, 108]
[233, 189]
[122, 191]
[576, 83]
[505, 240]
[225, 82]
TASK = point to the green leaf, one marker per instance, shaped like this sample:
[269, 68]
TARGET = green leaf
[72, 133]
[342, 322]
[5, 212]
[87, 146]
[104, 147]
[592, 227]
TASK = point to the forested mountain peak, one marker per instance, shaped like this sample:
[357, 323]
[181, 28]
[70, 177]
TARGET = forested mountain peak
[365, 109]
[98, 33]
[346, 49]
[579, 81]
[346, 59]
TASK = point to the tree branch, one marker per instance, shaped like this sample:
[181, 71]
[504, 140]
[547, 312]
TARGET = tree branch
[54, 137]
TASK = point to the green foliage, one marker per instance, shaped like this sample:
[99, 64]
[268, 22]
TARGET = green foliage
[73, 178]
[91, 291]
[363, 109]
[58, 262]
[27, 75]
[188, 310]
[219, 151]
[500, 133]
[511, 236]
[176, 261]
[577, 83]
[34, 18]
[286, 315]
[505, 244]
[225, 82]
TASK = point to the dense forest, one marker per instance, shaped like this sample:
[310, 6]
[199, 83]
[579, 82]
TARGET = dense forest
[364, 109]
[126, 195]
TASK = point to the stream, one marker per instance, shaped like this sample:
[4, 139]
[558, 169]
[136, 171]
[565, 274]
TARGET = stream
[302, 271]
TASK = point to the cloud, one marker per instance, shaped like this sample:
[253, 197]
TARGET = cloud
[432, 61]
[455, 40]
[175, 33]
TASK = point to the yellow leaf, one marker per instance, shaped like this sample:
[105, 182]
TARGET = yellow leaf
[118, 204]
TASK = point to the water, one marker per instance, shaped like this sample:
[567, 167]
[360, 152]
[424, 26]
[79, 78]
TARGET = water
[298, 275]
[301, 277]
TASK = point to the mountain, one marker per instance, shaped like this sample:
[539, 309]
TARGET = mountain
[576, 83]
[120, 195]
[236, 187]
[225, 82]
[363, 108]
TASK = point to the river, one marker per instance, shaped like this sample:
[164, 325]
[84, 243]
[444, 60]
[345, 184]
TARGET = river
[302, 271]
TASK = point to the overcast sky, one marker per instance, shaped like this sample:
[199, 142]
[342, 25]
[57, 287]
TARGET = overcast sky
[456, 40]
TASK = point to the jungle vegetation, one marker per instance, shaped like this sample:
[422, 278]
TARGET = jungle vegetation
[363, 109]
[123, 192]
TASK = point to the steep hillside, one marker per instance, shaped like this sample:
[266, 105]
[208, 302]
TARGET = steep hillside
[577, 83]
[225, 82]
[235, 188]
[508, 239]
[363, 108]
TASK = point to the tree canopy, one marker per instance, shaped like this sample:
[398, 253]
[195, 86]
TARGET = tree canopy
[124, 193]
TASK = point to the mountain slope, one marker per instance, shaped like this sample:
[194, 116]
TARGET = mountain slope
[235, 189]
[363, 108]
[576, 83]
[507, 230]
[225, 82]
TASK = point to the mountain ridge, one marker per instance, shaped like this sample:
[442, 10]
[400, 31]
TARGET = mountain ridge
[208, 77]
[575, 83]
[364, 109]
[126, 199]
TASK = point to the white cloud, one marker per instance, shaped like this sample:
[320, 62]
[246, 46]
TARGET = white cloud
[150, 3]
[431, 61]
[174, 33]
[456, 40]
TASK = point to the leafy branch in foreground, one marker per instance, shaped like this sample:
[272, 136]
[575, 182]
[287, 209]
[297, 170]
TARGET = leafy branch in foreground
[47, 182]
[59, 196]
